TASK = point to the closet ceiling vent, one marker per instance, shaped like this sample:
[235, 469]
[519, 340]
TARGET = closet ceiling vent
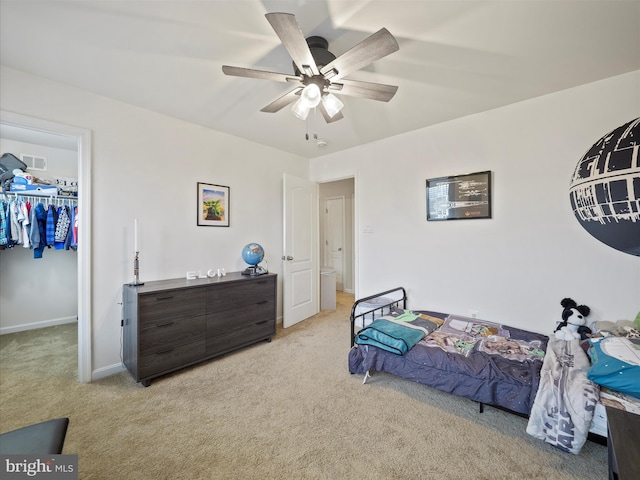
[34, 162]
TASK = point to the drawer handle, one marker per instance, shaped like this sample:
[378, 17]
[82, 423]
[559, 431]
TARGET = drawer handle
[164, 324]
[168, 297]
[262, 302]
[163, 352]
[262, 322]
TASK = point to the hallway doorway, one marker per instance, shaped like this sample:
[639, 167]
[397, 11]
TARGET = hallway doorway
[337, 231]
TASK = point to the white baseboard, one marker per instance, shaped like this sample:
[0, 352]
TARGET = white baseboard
[34, 325]
[107, 371]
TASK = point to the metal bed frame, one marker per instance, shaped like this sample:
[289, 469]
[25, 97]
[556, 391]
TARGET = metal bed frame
[400, 303]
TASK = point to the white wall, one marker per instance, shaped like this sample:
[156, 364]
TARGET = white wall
[39, 292]
[146, 166]
[516, 267]
[36, 293]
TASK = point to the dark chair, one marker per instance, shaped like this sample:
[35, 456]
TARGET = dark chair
[41, 438]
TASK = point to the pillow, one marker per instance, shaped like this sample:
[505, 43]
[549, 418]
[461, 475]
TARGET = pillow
[615, 363]
[619, 328]
[473, 327]
[426, 323]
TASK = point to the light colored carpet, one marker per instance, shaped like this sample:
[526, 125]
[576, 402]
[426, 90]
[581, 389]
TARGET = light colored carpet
[288, 409]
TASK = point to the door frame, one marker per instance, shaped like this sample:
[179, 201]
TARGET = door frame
[325, 252]
[83, 137]
[356, 222]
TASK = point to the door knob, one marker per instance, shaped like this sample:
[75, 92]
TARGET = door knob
[289, 257]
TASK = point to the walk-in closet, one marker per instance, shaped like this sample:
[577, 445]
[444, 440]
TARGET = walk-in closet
[39, 289]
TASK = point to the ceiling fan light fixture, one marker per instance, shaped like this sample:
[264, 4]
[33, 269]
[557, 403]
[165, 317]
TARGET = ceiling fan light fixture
[311, 95]
[309, 98]
[300, 110]
[332, 104]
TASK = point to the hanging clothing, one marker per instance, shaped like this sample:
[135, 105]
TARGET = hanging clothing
[51, 226]
[7, 224]
[62, 227]
[41, 217]
[36, 226]
[16, 231]
[3, 223]
[34, 231]
[68, 241]
[76, 219]
[24, 224]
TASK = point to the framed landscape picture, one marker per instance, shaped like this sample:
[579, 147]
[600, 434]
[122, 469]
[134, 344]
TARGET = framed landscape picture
[459, 197]
[213, 205]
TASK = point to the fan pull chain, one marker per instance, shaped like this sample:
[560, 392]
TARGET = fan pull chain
[315, 134]
[306, 126]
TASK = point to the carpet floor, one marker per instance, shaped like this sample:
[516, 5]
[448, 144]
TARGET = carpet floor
[288, 409]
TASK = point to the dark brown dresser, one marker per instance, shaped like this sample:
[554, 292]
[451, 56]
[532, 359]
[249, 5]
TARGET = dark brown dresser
[623, 444]
[171, 324]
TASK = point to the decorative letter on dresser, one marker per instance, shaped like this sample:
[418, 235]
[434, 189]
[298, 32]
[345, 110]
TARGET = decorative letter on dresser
[170, 324]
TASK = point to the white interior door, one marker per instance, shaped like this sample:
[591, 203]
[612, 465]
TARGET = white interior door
[334, 237]
[300, 250]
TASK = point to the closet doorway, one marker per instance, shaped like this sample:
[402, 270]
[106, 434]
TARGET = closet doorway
[43, 131]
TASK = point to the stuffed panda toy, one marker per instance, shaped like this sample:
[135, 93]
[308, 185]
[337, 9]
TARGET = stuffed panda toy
[574, 324]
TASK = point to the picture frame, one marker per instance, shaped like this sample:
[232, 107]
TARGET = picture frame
[213, 205]
[459, 197]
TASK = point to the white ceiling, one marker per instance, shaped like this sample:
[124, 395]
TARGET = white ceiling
[456, 58]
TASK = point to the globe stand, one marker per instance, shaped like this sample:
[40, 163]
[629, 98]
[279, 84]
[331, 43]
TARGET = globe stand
[254, 271]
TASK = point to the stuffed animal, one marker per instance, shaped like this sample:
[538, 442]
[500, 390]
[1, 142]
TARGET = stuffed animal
[573, 325]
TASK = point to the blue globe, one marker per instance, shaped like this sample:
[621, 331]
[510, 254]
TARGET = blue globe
[253, 253]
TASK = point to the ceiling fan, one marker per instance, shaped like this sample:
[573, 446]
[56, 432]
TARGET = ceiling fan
[318, 74]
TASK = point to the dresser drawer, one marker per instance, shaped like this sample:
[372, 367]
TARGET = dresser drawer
[237, 318]
[170, 358]
[172, 332]
[232, 339]
[170, 305]
[240, 294]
